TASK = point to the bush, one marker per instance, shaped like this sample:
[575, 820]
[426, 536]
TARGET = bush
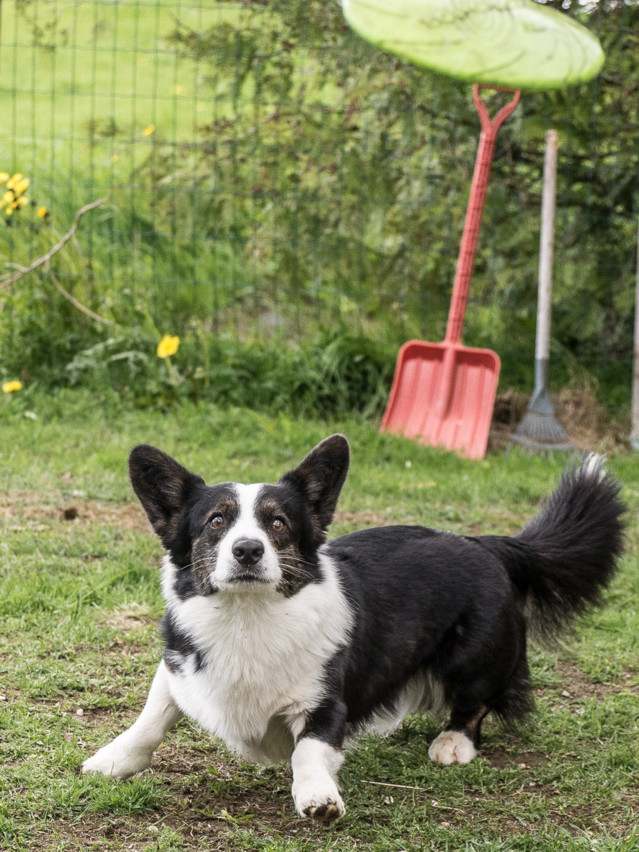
[333, 374]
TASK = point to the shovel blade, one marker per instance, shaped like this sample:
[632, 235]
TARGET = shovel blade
[443, 395]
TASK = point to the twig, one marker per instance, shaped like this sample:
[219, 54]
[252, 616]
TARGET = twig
[45, 259]
[396, 786]
[417, 789]
[75, 302]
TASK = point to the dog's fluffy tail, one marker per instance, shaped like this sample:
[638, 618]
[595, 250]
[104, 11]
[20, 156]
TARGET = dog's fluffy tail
[561, 562]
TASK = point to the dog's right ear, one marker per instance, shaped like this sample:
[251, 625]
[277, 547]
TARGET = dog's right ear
[163, 487]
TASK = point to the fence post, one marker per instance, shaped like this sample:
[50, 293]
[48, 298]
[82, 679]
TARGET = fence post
[634, 434]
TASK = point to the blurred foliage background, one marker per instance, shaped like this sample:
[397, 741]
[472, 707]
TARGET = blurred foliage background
[289, 202]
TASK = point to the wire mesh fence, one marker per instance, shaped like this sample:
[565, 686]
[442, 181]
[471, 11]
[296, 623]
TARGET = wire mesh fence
[268, 177]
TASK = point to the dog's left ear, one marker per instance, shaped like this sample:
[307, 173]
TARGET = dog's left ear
[321, 476]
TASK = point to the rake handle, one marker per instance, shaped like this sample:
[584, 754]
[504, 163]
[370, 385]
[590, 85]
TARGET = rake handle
[472, 223]
[546, 245]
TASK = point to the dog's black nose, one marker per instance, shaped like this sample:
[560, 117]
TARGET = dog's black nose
[248, 551]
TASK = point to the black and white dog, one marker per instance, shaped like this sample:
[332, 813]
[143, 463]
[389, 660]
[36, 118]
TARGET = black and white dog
[284, 645]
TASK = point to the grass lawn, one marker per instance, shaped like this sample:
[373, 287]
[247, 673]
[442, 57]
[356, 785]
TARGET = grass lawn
[79, 602]
[80, 73]
[91, 87]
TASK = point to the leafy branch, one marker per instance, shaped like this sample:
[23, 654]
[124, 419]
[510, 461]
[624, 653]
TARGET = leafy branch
[45, 262]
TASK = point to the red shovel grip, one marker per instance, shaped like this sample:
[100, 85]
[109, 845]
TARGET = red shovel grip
[475, 208]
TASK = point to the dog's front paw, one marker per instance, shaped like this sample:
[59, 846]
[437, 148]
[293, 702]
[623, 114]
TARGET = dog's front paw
[118, 761]
[324, 806]
[452, 747]
[324, 809]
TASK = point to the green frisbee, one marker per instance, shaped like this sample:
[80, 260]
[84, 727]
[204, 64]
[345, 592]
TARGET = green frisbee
[515, 43]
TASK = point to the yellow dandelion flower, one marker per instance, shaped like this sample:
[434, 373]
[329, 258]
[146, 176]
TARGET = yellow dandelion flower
[149, 130]
[4, 177]
[20, 186]
[20, 202]
[10, 387]
[42, 212]
[7, 198]
[14, 180]
[168, 346]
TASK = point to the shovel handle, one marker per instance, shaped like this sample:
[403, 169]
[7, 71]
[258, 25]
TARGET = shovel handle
[472, 223]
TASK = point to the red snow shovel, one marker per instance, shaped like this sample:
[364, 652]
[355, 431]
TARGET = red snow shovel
[443, 393]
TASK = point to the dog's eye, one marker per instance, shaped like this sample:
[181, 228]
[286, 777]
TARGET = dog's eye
[278, 525]
[217, 522]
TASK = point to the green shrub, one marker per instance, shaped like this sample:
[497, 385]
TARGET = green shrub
[334, 373]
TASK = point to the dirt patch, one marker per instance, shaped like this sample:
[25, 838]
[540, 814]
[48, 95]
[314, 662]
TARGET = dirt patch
[27, 507]
[97, 831]
[127, 516]
[22, 508]
[129, 618]
[575, 686]
[500, 758]
[209, 798]
[206, 801]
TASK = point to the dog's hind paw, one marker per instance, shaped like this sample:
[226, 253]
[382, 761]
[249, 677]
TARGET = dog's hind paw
[452, 747]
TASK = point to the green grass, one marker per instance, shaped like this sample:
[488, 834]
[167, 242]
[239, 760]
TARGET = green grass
[78, 645]
[99, 73]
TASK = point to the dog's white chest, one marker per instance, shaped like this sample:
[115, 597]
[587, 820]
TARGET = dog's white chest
[260, 666]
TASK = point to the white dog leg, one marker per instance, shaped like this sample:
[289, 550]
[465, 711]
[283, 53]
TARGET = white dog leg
[132, 751]
[315, 765]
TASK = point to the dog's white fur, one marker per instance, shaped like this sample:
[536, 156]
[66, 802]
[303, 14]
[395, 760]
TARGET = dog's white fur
[254, 673]
[423, 693]
[132, 751]
[315, 765]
